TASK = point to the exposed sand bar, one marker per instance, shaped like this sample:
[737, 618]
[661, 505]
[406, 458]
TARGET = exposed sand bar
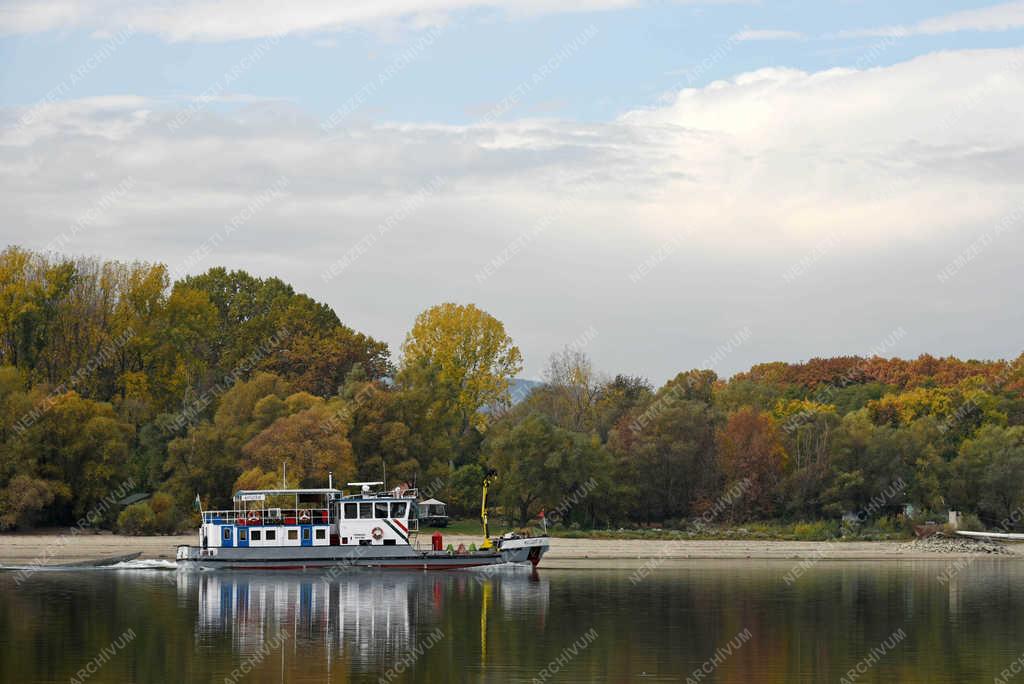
[54, 548]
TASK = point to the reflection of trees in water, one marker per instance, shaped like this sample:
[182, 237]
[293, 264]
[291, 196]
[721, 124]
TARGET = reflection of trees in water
[507, 626]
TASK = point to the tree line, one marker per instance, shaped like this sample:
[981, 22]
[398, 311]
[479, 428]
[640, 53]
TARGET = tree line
[111, 373]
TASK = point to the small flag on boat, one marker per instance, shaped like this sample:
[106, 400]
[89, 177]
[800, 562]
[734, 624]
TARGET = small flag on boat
[197, 505]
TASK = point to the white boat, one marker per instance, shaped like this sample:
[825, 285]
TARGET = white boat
[302, 529]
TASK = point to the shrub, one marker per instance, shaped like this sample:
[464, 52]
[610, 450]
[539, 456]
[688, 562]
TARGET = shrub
[970, 521]
[24, 500]
[137, 519]
[814, 531]
[889, 525]
[167, 515]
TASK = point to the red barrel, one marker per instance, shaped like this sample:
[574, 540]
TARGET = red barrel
[436, 541]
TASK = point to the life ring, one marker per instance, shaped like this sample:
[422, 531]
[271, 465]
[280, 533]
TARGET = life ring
[254, 518]
[377, 533]
[304, 517]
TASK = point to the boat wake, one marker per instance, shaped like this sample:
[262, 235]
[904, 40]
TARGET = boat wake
[153, 564]
[150, 564]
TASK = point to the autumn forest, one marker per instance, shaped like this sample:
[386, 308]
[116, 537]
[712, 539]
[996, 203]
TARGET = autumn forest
[112, 374]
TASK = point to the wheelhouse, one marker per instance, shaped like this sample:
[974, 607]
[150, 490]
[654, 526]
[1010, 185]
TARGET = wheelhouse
[386, 518]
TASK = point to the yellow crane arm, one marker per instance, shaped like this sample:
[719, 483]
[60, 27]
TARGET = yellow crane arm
[488, 478]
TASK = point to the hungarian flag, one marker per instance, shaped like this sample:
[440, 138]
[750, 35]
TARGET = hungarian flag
[542, 513]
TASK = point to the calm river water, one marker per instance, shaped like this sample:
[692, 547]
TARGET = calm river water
[707, 621]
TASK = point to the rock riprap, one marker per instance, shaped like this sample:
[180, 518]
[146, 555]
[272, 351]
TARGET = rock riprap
[942, 544]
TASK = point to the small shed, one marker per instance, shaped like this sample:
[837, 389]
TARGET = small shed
[133, 499]
[433, 513]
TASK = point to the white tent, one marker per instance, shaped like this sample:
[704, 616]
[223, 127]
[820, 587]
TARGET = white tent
[432, 508]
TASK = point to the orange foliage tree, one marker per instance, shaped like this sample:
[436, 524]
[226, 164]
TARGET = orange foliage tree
[752, 457]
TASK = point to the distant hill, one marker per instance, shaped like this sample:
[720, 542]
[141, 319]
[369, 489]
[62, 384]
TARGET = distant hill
[520, 388]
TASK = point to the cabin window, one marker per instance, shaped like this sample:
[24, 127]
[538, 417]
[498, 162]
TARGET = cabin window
[366, 510]
[389, 542]
[243, 535]
[293, 535]
[227, 534]
[271, 535]
[351, 511]
[398, 509]
[257, 535]
[305, 534]
[321, 533]
[364, 542]
[380, 509]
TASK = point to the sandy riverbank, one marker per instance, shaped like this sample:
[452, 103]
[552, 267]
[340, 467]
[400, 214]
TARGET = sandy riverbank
[20, 549]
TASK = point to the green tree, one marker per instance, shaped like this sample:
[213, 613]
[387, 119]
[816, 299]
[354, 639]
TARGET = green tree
[207, 459]
[456, 361]
[30, 292]
[137, 519]
[987, 473]
[617, 398]
[69, 458]
[869, 464]
[666, 449]
[313, 440]
[541, 465]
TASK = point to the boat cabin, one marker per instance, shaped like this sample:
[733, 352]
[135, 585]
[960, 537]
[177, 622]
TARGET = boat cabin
[312, 517]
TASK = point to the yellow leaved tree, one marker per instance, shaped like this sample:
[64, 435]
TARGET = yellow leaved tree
[461, 358]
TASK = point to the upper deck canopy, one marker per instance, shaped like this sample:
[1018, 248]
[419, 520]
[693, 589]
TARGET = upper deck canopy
[285, 492]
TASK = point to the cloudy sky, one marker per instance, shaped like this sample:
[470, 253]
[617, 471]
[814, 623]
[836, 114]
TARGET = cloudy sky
[669, 184]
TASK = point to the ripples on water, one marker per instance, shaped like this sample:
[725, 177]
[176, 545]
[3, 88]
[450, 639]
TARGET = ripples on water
[739, 621]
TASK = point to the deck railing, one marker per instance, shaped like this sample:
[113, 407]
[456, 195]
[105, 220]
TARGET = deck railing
[279, 516]
[266, 516]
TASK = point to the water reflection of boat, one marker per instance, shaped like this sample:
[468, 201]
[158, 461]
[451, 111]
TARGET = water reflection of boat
[358, 615]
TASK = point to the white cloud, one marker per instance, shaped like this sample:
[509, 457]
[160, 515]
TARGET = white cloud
[1006, 16]
[767, 34]
[903, 167]
[213, 20]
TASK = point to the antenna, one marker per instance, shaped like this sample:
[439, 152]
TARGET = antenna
[384, 465]
[330, 480]
[284, 474]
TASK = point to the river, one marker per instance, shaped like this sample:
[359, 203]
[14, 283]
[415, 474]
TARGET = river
[701, 621]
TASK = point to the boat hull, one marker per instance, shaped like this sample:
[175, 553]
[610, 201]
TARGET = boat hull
[516, 551]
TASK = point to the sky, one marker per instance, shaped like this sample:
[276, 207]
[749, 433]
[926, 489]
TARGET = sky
[663, 184]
